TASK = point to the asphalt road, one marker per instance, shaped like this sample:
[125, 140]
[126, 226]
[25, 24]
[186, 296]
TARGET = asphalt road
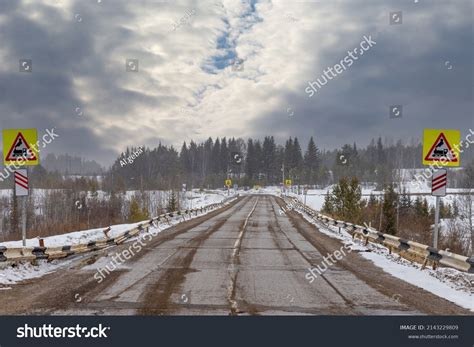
[246, 259]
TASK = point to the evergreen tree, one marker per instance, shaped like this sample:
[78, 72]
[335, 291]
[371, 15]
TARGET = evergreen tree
[352, 203]
[250, 169]
[172, 202]
[328, 206]
[224, 157]
[389, 210]
[311, 163]
[136, 213]
[297, 156]
[270, 167]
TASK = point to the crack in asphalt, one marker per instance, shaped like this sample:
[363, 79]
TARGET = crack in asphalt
[233, 270]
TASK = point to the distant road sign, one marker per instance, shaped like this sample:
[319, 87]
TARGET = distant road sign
[439, 182]
[21, 182]
[439, 147]
[288, 182]
[19, 147]
[228, 183]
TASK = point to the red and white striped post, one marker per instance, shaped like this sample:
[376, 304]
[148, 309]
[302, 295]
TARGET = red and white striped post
[22, 190]
[438, 189]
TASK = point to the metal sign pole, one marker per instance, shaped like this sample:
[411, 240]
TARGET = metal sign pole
[23, 226]
[23, 198]
[435, 231]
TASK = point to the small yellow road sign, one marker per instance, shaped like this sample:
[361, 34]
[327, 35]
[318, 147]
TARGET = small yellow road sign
[228, 183]
[20, 147]
[288, 182]
[441, 146]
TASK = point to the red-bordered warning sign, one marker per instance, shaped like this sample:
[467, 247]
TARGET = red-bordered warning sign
[441, 149]
[441, 146]
[20, 150]
[21, 182]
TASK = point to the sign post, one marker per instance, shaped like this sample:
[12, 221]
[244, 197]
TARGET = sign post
[228, 183]
[22, 190]
[20, 150]
[440, 149]
[438, 189]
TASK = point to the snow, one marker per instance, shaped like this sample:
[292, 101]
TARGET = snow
[23, 271]
[422, 279]
[73, 238]
[450, 284]
[12, 274]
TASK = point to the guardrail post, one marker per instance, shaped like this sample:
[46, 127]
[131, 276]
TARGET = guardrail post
[106, 231]
[424, 263]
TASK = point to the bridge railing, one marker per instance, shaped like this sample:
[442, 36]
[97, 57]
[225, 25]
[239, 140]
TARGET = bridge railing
[410, 250]
[17, 254]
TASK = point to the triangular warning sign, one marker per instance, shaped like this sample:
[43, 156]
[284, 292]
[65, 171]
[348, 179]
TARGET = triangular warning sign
[20, 150]
[441, 151]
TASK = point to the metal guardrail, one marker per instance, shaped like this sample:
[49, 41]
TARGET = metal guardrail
[410, 250]
[58, 252]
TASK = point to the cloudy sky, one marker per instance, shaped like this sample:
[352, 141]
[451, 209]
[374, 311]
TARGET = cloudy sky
[232, 68]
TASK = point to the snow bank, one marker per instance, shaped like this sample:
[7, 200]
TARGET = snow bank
[450, 284]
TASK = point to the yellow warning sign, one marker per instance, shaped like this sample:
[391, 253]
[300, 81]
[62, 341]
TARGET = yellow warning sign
[228, 183]
[288, 182]
[20, 147]
[441, 147]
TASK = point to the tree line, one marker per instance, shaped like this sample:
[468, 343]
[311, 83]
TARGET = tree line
[262, 162]
[247, 162]
[397, 213]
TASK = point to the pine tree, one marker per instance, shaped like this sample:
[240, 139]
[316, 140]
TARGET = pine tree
[297, 156]
[172, 202]
[288, 160]
[389, 210]
[136, 213]
[269, 158]
[250, 169]
[223, 157]
[339, 191]
[311, 163]
[328, 206]
[352, 203]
